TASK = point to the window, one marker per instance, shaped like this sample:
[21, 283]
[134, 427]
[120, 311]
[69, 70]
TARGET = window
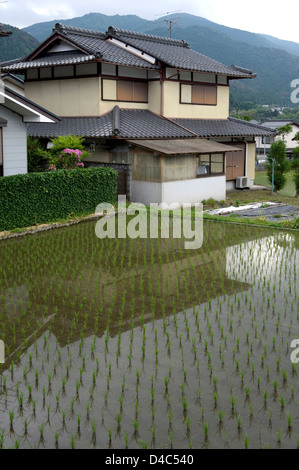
[266, 140]
[132, 91]
[210, 164]
[125, 90]
[199, 94]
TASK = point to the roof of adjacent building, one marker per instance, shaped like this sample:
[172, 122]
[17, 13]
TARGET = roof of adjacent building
[125, 48]
[25, 107]
[276, 123]
[143, 124]
[224, 127]
[9, 77]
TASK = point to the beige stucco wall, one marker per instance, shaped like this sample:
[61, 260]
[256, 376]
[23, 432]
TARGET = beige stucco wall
[82, 97]
[173, 108]
[71, 97]
[154, 97]
[250, 167]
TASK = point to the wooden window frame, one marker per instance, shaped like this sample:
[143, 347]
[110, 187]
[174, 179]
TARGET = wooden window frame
[211, 175]
[118, 81]
[197, 86]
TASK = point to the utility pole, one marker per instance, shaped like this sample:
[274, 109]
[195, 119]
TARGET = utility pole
[170, 22]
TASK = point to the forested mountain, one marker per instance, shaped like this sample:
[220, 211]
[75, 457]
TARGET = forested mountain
[18, 44]
[275, 61]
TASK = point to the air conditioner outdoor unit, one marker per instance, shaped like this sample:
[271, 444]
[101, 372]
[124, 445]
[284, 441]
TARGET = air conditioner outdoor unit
[243, 182]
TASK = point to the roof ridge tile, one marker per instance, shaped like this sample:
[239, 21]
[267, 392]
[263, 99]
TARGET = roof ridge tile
[64, 29]
[150, 37]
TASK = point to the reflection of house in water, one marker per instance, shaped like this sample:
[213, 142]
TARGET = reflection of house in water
[269, 256]
[160, 274]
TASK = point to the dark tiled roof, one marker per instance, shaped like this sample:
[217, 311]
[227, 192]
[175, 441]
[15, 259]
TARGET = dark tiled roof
[109, 52]
[124, 123]
[144, 124]
[57, 59]
[171, 52]
[80, 126]
[176, 53]
[224, 127]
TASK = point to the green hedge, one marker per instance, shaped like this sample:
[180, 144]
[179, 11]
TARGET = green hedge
[36, 198]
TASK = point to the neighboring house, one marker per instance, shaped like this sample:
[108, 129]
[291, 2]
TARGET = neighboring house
[148, 101]
[263, 144]
[13, 82]
[15, 112]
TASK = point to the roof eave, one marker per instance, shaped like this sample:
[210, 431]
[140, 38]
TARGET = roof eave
[26, 103]
[54, 36]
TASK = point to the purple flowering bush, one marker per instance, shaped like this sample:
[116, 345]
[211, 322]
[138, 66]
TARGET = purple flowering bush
[67, 153]
[70, 159]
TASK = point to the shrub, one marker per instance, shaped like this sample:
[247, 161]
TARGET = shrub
[212, 202]
[36, 198]
[37, 156]
[67, 152]
[69, 159]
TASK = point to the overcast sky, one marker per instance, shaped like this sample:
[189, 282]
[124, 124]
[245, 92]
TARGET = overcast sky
[258, 16]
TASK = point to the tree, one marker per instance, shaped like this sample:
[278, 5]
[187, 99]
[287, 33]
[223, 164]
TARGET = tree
[295, 167]
[283, 130]
[277, 163]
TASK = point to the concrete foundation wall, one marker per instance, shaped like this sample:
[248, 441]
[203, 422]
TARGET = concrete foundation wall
[192, 191]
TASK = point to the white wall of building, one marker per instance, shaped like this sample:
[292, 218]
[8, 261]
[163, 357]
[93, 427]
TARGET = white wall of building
[194, 190]
[14, 143]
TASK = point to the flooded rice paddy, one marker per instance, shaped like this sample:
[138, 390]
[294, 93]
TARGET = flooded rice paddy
[139, 343]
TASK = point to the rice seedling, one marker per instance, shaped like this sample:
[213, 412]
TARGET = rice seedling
[239, 420]
[206, 430]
